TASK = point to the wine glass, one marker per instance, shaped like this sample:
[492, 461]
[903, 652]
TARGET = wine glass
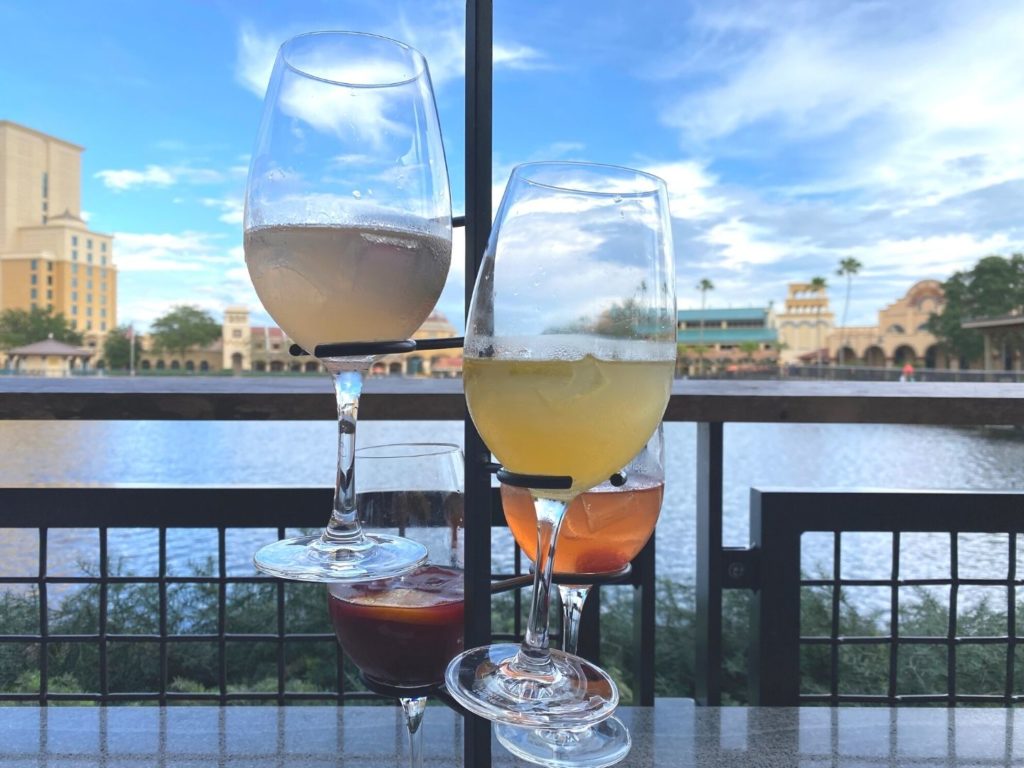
[604, 529]
[568, 365]
[402, 631]
[348, 243]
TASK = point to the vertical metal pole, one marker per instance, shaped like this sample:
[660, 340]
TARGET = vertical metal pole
[104, 589]
[833, 648]
[708, 668]
[894, 620]
[44, 621]
[590, 627]
[775, 610]
[222, 600]
[162, 573]
[954, 588]
[1011, 620]
[479, 64]
[644, 625]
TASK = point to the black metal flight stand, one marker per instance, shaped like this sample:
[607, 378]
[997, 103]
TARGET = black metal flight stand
[368, 348]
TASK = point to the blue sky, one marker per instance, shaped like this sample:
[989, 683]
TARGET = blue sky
[791, 134]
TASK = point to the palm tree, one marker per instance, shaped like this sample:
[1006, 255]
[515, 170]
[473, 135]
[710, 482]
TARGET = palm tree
[703, 286]
[848, 267]
[749, 349]
[818, 285]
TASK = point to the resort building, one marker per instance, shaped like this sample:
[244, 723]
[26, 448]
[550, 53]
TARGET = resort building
[49, 258]
[244, 348]
[900, 336]
[725, 337]
[804, 324]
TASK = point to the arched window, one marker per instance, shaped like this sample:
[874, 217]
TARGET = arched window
[895, 328]
[175, 365]
[204, 366]
[190, 366]
[874, 357]
[159, 365]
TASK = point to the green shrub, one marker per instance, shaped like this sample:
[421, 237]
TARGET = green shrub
[310, 666]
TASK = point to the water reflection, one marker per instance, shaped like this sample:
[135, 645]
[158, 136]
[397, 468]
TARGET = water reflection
[303, 453]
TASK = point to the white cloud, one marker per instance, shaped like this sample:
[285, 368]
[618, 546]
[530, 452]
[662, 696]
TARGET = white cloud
[690, 189]
[519, 57]
[922, 88]
[742, 244]
[441, 40]
[885, 131]
[153, 175]
[437, 30]
[193, 268]
[232, 208]
[157, 176]
[255, 59]
[165, 252]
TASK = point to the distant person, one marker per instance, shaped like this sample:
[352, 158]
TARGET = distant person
[908, 373]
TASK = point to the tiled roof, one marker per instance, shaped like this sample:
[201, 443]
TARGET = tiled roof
[726, 335]
[273, 331]
[50, 347]
[711, 315]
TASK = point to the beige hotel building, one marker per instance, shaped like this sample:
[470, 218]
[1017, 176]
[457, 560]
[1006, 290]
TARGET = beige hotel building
[48, 255]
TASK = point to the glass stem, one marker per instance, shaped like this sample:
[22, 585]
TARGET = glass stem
[534, 656]
[414, 709]
[573, 597]
[344, 529]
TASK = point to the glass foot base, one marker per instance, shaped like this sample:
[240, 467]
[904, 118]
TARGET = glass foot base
[598, 746]
[575, 694]
[306, 559]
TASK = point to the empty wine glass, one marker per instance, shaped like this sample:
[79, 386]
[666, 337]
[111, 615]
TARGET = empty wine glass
[347, 241]
[568, 365]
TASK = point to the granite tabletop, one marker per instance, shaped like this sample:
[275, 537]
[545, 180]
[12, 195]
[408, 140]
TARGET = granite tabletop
[673, 733]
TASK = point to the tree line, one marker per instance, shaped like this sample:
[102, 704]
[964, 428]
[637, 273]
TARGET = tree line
[993, 287]
[180, 329]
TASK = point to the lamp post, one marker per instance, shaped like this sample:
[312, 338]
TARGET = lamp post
[131, 349]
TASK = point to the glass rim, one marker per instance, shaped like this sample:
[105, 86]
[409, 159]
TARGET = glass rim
[407, 450]
[658, 184]
[417, 56]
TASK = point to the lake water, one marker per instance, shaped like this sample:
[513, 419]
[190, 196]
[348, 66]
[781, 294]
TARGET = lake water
[286, 453]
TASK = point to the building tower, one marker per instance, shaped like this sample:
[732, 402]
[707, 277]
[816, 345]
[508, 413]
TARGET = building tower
[48, 255]
[237, 336]
[805, 323]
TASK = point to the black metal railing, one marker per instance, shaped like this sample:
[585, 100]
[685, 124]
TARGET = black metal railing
[222, 511]
[163, 509]
[786, 640]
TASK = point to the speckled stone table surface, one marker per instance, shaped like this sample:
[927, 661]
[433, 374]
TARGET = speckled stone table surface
[673, 733]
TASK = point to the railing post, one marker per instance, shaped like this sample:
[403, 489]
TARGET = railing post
[708, 668]
[479, 64]
[644, 618]
[775, 611]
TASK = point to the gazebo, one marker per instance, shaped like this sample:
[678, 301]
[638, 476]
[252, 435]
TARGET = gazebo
[1003, 337]
[48, 358]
